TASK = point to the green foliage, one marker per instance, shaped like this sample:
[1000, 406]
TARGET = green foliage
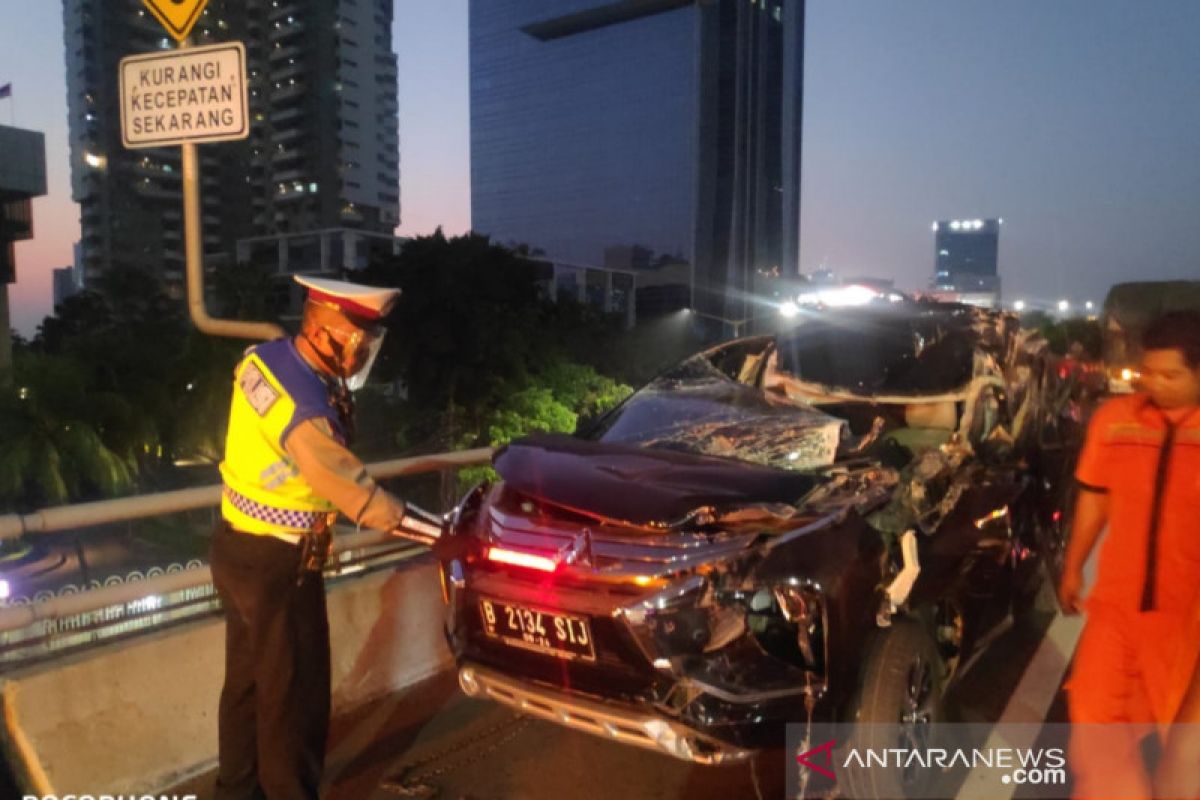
[107, 404]
[533, 409]
[552, 402]
[50, 450]
[202, 379]
[462, 330]
[483, 356]
[583, 390]
[248, 292]
[119, 385]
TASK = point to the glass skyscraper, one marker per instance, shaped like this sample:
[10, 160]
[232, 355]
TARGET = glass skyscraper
[967, 256]
[665, 129]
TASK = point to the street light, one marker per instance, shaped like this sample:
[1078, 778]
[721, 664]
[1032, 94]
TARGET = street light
[1019, 305]
[1089, 305]
[1064, 306]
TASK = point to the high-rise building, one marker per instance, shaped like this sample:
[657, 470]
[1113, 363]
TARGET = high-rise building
[966, 260]
[22, 178]
[323, 148]
[666, 125]
[65, 284]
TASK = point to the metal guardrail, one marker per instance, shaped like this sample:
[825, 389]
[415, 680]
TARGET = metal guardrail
[82, 617]
[82, 515]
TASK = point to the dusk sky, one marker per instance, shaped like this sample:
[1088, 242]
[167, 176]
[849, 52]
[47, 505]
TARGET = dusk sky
[1076, 121]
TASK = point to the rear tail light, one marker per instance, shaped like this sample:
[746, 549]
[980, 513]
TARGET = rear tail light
[517, 558]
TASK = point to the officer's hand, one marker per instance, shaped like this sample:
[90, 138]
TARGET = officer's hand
[1070, 590]
[419, 525]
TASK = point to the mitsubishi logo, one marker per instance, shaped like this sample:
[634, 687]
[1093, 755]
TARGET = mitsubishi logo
[579, 551]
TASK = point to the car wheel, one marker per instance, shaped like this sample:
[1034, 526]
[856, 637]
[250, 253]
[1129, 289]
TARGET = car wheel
[898, 704]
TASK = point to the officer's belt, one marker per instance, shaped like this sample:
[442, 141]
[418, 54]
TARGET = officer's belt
[281, 517]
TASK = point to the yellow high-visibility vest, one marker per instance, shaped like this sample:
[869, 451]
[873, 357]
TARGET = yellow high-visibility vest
[274, 390]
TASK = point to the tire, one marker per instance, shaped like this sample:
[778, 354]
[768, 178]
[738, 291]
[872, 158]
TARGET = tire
[902, 682]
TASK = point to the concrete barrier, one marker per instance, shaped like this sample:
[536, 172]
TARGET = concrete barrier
[140, 716]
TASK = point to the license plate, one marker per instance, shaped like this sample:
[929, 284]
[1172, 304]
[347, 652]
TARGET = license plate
[560, 635]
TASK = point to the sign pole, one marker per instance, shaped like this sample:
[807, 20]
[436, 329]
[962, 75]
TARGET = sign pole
[192, 239]
[192, 247]
[193, 251]
[194, 94]
[194, 259]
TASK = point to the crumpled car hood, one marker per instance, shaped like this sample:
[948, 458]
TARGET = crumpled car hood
[635, 485]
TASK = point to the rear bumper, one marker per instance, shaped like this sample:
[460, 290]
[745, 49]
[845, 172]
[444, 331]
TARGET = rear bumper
[617, 722]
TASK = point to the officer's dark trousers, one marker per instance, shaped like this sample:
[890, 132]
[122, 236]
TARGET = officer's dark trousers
[274, 713]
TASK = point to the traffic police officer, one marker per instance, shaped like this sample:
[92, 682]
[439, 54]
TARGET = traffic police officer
[287, 473]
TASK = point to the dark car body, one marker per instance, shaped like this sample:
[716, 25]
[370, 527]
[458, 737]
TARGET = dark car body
[724, 552]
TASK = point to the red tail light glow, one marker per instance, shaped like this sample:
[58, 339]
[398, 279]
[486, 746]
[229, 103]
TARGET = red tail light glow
[518, 559]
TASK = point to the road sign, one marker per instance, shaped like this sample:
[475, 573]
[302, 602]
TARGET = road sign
[196, 94]
[177, 16]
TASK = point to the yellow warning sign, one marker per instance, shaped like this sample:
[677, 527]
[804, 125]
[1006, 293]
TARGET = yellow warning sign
[177, 16]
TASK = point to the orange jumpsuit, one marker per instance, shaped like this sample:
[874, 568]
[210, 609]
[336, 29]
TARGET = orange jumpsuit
[1127, 666]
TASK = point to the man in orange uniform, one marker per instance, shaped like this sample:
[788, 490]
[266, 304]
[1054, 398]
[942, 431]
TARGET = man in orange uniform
[1139, 476]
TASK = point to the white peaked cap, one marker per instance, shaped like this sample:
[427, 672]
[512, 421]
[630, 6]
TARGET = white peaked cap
[369, 302]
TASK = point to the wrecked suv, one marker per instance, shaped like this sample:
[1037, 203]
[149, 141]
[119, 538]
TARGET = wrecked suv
[819, 525]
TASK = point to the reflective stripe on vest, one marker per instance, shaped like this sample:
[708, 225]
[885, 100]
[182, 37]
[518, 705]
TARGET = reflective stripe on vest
[276, 517]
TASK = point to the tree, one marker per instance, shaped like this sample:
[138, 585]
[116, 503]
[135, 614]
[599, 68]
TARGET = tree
[552, 402]
[249, 291]
[483, 356]
[156, 388]
[469, 328]
[50, 452]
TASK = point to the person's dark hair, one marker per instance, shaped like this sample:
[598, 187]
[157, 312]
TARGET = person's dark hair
[1175, 330]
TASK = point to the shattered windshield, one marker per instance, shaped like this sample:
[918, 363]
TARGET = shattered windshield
[880, 354]
[697, 408]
